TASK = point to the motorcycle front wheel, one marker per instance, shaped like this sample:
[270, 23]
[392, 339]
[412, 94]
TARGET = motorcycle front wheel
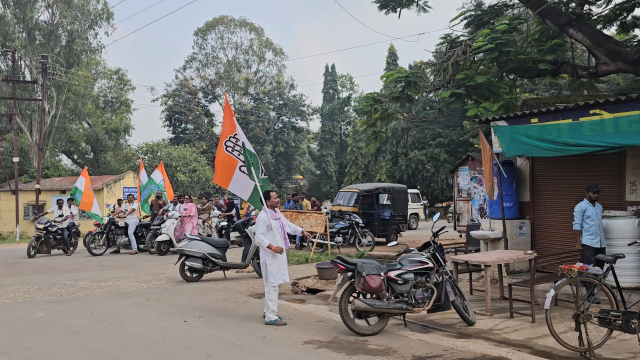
[461, 305]
[163, 247]
[363, 324]
[32, 248]
[188, 274]
[151, 242]
[365, 242]
[95, 245]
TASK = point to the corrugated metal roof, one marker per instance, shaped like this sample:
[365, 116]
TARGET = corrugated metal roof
[563, 107]
[65, 183]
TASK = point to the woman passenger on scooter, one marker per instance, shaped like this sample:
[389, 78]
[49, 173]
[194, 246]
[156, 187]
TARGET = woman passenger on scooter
[189, 218]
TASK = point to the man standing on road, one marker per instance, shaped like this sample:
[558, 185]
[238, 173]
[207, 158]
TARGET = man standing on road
[157, 204]
[588, 227]
[273, 256]
[425, 208]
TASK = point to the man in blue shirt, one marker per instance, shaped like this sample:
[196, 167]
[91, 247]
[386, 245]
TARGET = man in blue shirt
[587, 225]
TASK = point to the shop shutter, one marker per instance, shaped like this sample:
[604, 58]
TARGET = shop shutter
[558, 185]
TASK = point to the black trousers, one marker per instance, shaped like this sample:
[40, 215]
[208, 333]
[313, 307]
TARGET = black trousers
[589, 254]
[65, 238]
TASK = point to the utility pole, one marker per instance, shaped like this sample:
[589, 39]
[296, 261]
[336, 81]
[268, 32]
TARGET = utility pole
[16, 156]
[43, 113]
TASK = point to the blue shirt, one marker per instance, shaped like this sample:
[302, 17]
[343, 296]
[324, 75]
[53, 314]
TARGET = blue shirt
[588, 219]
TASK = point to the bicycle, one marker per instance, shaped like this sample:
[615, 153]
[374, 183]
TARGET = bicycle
[585, 322]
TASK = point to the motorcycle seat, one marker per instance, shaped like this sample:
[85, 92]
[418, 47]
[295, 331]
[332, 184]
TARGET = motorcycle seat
[355, 262]
[145, 223]
[217, 243]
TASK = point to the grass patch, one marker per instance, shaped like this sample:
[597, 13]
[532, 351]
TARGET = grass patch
[299, 257]
[10, 238]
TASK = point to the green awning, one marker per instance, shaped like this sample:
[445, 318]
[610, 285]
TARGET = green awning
[569, 138]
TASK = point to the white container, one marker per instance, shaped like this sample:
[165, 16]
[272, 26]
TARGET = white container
[618, 232]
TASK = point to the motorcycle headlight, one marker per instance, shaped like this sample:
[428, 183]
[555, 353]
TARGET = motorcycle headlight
[121, 223]
[105, 219]
[39, 226]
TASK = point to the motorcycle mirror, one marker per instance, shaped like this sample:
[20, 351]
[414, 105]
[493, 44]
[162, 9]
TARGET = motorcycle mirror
[392, 244]
[436, 217]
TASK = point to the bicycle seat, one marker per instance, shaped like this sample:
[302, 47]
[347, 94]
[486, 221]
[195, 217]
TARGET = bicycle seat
[610, 259]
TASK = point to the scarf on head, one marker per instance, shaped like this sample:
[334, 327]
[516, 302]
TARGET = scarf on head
[275, 215]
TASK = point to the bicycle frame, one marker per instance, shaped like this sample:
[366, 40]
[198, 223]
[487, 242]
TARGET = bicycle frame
[611, 270]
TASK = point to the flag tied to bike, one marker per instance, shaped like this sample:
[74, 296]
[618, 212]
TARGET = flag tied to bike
[237, 166]
[82, 192]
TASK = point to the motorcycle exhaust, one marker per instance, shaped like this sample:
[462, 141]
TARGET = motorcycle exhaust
[377, 306]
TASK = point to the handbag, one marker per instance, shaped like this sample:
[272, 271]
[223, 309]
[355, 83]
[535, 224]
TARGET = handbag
[369, 278]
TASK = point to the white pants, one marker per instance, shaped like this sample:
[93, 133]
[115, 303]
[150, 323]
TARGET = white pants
[271, 302]
[132, 229]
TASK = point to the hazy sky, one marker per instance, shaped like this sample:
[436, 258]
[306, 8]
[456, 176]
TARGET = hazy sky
[301, 27]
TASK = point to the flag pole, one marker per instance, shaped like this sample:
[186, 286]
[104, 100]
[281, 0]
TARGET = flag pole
[255, 177]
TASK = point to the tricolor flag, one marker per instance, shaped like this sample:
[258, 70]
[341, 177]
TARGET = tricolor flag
[160, 177]
[82, 192]
[144, 191]
[237, 165]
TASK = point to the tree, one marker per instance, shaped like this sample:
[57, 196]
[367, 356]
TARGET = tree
[587, 23]
[97, 120]
[188, 170]
[235, 56]
[391, 61]
[67, 30]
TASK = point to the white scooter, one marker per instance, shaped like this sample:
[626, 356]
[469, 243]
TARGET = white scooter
[167, 240]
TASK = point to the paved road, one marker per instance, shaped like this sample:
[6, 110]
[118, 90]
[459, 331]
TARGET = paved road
[138, 307]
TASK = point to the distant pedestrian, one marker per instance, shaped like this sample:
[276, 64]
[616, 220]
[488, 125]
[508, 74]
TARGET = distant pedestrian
[425, 208]
[315, 204]
[287, 201]
[588, 226]
[306, 205]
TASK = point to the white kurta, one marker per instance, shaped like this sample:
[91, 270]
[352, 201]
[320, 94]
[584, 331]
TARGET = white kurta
[274, 266]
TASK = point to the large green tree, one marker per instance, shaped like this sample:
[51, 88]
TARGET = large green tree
[68, 31]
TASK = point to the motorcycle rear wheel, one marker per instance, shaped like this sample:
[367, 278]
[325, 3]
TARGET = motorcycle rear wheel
[461, 305]
[32, 248]
[349, 316]
[189, 274]
[320, 247]
[255, 263]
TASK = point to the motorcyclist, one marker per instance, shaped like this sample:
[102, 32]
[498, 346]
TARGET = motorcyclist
[131, 217]
[174, 205]
[233, 214]
[61, 216]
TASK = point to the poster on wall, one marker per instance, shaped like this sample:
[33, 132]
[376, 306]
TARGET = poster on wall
[479, 199]
[464, 181]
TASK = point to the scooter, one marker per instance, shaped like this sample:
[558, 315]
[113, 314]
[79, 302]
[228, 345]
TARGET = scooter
[167, 241]
[201, 255]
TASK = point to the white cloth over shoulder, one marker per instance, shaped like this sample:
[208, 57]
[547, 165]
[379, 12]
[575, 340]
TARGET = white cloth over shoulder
[274, 266]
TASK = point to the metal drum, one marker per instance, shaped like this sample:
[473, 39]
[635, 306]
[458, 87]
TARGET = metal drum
[619, 230]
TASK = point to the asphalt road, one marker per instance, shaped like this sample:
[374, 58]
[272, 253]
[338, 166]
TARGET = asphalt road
[138, 307]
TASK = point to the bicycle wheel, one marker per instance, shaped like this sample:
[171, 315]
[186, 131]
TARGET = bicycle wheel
[572, 314]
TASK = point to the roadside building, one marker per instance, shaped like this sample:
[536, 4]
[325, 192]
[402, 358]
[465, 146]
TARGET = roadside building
[557, 151]
[107, 189]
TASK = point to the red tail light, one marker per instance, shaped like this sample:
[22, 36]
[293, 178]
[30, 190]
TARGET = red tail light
[339, 268]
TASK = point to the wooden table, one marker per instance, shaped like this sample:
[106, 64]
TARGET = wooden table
[490, 258]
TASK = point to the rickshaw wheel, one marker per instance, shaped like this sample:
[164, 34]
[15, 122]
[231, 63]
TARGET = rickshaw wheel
[392, 236]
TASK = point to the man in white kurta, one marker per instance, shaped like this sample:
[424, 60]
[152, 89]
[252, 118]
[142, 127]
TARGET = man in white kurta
[273, 255]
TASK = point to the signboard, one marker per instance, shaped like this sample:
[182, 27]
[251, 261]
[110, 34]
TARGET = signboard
[312, 221]
[126, 190]
[464, 178]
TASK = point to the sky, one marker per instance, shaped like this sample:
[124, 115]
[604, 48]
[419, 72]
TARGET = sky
[301, 27]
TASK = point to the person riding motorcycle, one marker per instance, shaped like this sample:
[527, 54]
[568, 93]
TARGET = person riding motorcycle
[74, 212]
[130, 210]
[61, 216]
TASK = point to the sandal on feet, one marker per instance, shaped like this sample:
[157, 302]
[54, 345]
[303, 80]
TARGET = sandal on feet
[115, 252]
[278, 322]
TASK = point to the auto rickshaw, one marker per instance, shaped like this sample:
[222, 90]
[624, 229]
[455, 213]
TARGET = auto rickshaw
[383, 207]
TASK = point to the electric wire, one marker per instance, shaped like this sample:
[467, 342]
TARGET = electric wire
[151, 23]
[374, 30]
[116, 4]
[132, 15]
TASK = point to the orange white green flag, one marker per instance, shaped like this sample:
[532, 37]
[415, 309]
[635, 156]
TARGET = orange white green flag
[237, 166]
[82, 192]
[160, 177]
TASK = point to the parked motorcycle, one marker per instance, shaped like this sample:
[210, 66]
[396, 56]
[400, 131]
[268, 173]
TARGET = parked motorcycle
[201, 255]
[419, 281]
[114, 232]
[349, 231]
[48, 236]
[155, 230]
